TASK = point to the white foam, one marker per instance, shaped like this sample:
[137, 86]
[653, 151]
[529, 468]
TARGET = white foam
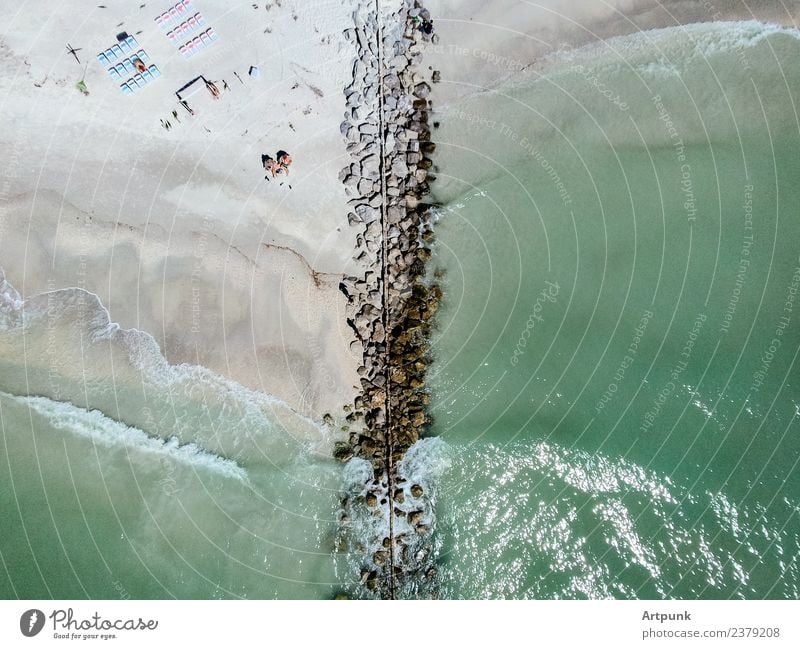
[676, 48]
[228, 419]
[104, 431]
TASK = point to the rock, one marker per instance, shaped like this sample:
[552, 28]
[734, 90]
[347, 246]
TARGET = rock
[342, 451]
[372, 500]
[416, 491]
[422, 90]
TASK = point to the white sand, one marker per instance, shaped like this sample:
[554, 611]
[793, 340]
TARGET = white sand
[178, 232]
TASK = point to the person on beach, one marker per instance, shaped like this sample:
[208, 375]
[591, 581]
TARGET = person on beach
[213, 89]
[270, 165]
[284, 159]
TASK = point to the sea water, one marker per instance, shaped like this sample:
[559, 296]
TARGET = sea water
[616, 357]
[614, 387]
[122, 476]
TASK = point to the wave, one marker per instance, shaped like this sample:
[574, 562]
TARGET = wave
[100, 430]
[683, 46]
[63, 345]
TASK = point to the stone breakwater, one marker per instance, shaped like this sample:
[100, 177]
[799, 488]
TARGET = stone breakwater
[390, 307]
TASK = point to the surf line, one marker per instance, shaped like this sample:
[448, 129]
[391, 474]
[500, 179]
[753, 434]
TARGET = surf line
[391, 306]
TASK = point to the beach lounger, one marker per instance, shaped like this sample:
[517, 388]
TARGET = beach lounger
[192, 22]
[126, 89]
[132, 42]
[206, 39]
[183, 49]
[125, 46]
[117, 51]
[173, 14]
[147, 76]
[102, 58]
[121, 71]
[143, 56]
[212, 34]
[110, 56]
[154, 71]
[113, 72]
[129, 66]
[139, 80]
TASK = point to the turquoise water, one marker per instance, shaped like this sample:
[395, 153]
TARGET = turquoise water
[616, 356]
[614, 385]
[207, 490]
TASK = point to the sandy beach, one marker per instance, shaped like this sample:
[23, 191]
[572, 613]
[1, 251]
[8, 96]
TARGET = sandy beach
[177, 230]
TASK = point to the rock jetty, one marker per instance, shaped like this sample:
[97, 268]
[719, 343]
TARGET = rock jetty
[391, 306]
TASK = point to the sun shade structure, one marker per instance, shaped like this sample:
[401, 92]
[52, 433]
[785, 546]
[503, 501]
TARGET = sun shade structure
[200, 91]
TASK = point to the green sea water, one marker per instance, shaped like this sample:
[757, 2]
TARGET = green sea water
[616, 358]
[124, 477]
[613, 386]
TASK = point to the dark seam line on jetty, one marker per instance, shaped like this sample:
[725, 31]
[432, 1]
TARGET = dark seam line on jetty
[385, 287]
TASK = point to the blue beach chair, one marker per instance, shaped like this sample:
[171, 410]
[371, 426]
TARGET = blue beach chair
[126, 90]
[154, 71]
